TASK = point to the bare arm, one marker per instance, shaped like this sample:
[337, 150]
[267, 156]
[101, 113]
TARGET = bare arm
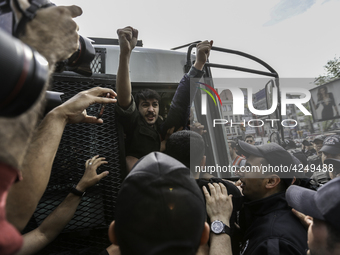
[127, 41]
[219, 207]
[59, 218]
[24, 196]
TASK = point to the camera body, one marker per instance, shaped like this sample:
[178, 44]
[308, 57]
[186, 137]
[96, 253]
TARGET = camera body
[24, 71]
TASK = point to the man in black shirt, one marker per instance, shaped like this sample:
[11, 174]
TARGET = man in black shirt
[268, 225]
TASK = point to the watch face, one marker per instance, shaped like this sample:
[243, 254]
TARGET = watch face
[217, 227]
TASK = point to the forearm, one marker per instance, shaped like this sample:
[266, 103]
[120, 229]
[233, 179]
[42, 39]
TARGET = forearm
[123, 85]
[25, 195]
[220, 244]
[51, 226]
[180, 105]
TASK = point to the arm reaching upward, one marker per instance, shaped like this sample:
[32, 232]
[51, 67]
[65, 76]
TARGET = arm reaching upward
[127, 41]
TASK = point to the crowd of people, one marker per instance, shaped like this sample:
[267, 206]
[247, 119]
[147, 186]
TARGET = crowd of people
[163, 207]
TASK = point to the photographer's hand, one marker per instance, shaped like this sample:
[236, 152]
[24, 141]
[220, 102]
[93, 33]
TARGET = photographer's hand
[74, 110]
[52, 32]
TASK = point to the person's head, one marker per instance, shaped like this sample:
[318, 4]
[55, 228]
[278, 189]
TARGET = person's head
[147, 102]
[318, 142]
[232, 148]
[322, 91]
[333, 166]
[249, 139]
[159, 209]
[324, 206]
[259, 178]
[188, 148]
[331, 148]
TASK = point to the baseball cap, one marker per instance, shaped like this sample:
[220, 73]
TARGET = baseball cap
[275, 155]
[160, 208]
[319, 137]
[323, 204]
[331, 145]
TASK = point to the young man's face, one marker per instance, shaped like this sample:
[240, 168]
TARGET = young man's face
[317, 238]
[149, 109]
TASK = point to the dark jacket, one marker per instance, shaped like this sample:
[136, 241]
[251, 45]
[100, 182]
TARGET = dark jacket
[271, 228]
[141, 139]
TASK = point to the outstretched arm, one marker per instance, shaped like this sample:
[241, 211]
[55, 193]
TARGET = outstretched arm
[219, 207]
[59, 218]
[180, 105]
[127, 41]
[24, 196]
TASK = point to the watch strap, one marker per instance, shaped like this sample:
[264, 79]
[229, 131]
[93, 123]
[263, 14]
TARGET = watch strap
[226, 230]
[77, 192]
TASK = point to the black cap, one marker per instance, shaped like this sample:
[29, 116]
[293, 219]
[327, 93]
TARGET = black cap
[275, 155]
[323, 204]
[331, 145]
[160, 208]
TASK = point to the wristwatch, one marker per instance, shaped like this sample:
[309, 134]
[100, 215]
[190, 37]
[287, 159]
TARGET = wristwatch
[218, 227]
[77, 192]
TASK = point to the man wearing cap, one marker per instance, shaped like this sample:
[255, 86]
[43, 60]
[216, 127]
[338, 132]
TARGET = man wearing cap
[159, 210]
[267, 221]
[307, 148]
[324, 206]
[331, 148]
[317, 145]
[318, 177]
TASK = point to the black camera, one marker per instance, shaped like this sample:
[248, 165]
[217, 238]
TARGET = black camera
[23, 71]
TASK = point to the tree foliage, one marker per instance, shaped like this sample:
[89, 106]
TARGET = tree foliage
[332, 69]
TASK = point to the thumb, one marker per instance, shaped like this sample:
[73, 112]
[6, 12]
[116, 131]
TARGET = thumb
[102, 175]
[91, 119]
[74, 10]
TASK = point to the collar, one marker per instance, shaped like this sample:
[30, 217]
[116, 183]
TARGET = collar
[267, 205]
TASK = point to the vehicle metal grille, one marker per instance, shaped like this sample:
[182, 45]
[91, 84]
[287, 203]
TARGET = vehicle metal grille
[87, 231]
